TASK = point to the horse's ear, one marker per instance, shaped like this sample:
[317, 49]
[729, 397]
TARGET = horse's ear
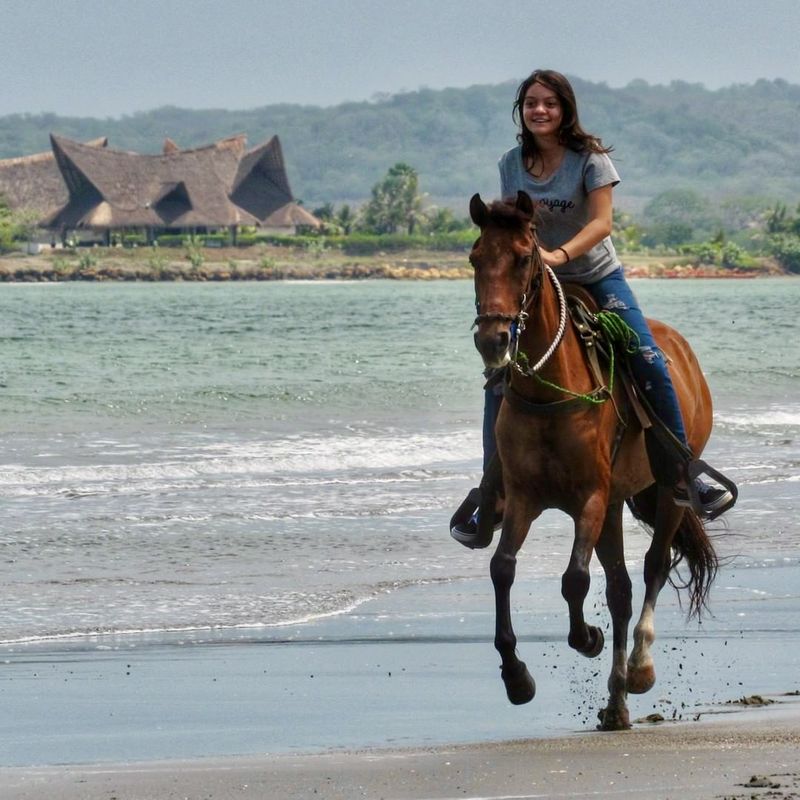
[524, 203]
[477, 210]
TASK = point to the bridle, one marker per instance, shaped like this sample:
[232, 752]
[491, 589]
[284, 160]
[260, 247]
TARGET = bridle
[533, 286]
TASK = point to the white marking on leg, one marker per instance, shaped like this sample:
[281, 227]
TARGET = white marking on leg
[644, 635]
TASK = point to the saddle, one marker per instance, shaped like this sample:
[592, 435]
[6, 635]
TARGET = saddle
[670, 459]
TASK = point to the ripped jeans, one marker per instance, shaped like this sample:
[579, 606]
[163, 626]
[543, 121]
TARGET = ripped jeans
[649, 365]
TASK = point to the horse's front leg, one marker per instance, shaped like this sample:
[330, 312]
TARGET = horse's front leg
[517, 518]
[586, 639]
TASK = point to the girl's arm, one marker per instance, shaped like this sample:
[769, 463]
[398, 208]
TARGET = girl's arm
[599, 226]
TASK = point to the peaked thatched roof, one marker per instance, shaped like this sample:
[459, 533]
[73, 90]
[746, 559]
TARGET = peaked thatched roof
[35, 182]
[219, 185]
[262, 188]
[117, 189]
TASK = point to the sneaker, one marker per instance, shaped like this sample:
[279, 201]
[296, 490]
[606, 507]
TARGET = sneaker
[467, 532]
[713, 498]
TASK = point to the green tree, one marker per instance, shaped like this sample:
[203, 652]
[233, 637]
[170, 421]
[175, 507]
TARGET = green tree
[26, 223]
[395, 203]
[442, 220]
[777, 220]
[17, 225]
[733, 256]
[345, 218]
[6, 227]
[783, 236]
[627, 234]
[786, 249]
[324, 212]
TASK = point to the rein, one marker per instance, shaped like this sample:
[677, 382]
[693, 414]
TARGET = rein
[533, 287]
[530, 370]
[519, 360]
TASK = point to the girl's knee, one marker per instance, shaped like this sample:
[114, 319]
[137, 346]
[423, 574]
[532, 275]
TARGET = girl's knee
[612, 301]
[653, 357]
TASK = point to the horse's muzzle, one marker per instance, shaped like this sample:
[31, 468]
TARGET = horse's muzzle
[494, 344]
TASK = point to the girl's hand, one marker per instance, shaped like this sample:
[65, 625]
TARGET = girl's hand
[553, 258]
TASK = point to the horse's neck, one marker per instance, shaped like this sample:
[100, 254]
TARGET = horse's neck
[566, 367]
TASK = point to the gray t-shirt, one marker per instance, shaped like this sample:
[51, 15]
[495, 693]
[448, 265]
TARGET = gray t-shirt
[562, 206]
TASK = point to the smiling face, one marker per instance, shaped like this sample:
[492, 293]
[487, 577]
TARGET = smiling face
[542, 113]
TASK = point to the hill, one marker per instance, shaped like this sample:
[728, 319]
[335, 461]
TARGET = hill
[738, 141]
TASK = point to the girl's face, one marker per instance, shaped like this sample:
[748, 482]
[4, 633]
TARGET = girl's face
[541, 111]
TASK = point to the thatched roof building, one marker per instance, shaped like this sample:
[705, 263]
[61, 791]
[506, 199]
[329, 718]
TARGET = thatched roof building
[222, 185]
[34, 182]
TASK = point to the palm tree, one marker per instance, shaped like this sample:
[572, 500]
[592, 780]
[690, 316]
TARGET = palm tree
[396, 202]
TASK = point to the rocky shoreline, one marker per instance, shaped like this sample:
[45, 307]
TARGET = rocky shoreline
[229, 264]
[270, 264]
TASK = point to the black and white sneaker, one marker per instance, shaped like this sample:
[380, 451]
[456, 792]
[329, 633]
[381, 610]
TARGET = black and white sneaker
[713, 499]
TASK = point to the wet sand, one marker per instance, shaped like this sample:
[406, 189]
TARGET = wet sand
[754, 755]
[401, 698]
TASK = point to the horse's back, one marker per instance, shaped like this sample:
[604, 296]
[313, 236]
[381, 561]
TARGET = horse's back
[687, 376]
[690, 384]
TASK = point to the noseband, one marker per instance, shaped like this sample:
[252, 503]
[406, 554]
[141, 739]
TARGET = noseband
[533, 286]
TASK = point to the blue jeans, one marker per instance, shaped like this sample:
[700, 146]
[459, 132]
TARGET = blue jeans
[649, 364]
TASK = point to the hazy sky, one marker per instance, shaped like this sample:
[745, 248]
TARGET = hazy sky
[106, 58]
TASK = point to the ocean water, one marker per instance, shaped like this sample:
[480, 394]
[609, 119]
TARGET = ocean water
[205, 459]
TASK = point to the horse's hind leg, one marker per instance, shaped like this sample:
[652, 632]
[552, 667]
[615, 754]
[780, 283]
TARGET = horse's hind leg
[520, 686]
[610, 551]
[657, 565]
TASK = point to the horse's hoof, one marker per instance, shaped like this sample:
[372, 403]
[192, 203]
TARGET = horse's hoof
[613, 719]
[594, 644]
[520, 686]
[640, 679]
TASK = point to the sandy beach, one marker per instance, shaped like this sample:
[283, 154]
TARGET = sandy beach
[750, 756]
[221, 580]
[347, 708]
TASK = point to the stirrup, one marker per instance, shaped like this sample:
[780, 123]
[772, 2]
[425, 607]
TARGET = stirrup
[469, 526]
[693, 470]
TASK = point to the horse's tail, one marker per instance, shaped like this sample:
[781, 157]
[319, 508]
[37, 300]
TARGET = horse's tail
[691, 544]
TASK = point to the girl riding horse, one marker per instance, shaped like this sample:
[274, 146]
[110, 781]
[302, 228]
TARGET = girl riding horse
[570, 178]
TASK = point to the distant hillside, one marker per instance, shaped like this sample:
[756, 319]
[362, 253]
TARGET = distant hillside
[738, 141]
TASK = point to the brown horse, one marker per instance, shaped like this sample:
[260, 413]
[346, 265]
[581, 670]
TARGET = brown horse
[564, 453]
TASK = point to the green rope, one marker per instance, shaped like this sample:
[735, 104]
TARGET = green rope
[617, 333]
[597, 397]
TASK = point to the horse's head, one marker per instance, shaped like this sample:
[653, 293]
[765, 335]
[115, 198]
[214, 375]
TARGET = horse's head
[505, 257]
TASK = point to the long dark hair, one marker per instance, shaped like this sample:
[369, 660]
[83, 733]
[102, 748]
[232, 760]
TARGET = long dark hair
[571, 134]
